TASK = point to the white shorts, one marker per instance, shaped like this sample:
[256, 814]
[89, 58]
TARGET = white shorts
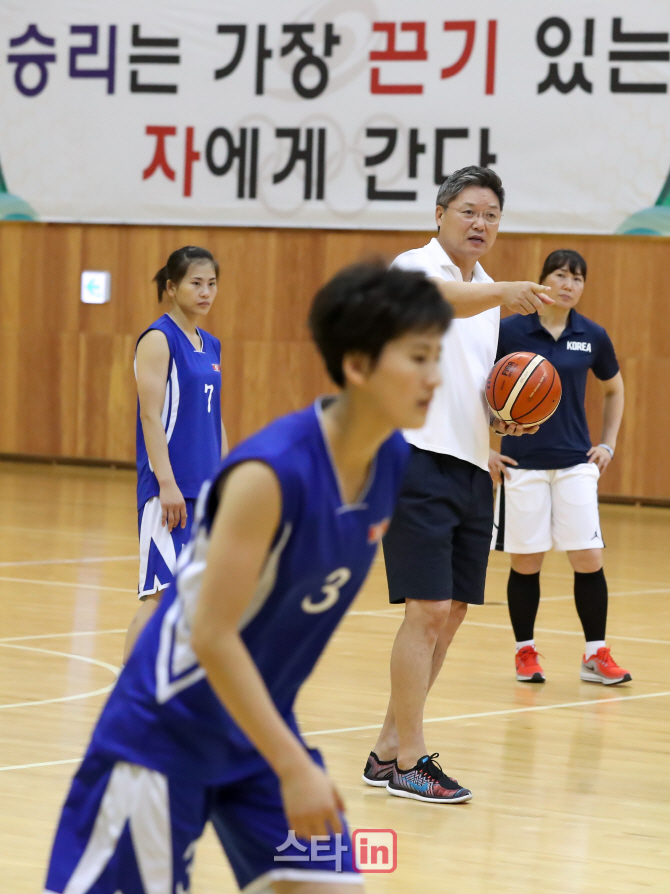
[159, 548]
[540, 509]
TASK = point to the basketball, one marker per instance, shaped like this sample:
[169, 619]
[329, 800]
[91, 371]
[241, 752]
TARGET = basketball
[523, 388]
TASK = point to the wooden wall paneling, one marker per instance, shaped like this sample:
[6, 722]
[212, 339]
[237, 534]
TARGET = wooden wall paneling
[67, 369]
[297, 376]
[104, 387]
[244, 303]
[11, 267]
[658, 278]
[66, 389]
[299, 274]
[40, 278]
[38, 417]
[232, 397]
[515, 258]
[345, 247]
[626, 460]
[647, 448]
[121, 401]
[10, 409]
[34, 290]
[258, 369]
[133, 291]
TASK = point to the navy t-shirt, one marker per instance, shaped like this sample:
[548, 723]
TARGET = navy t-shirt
[563, 440]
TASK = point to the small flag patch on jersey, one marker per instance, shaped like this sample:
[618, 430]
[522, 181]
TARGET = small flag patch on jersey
[376, 532]
[216, 367]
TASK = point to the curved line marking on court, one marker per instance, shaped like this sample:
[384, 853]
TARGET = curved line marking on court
[508, 711]
[63, 698]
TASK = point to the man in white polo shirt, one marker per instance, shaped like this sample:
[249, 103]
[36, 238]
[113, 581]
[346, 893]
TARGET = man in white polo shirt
[437, 547]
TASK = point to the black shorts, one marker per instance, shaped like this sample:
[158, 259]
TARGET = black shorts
[438, 544]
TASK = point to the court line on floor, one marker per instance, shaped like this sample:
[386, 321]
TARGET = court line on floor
[14, 639]
[505, 712]
[70, 760]
[86, 561]
[615, 594]
[394, 613]
[477, 716]
[70, 532]
[79, 585]
[579, 633]
[557, 575]
[75, 585]
[63, 698]
[649, 592]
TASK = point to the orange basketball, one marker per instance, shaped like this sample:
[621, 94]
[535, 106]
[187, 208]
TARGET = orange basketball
[523, 388]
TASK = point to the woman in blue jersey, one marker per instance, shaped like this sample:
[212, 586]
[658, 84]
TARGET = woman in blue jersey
[548, 484]
[180, 436]
[201, 722]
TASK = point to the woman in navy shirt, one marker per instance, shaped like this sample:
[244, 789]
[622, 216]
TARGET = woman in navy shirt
[548, 484]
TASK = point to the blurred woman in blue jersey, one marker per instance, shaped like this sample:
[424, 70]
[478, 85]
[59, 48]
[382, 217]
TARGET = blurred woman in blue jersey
[548, 484]
[180, 436]
[201, 723]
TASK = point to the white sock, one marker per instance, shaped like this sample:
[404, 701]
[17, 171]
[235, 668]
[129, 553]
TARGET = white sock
[591, 648]
[526, 642]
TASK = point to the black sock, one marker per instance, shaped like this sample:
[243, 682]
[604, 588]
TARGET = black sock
[591, 603]
[523, 599]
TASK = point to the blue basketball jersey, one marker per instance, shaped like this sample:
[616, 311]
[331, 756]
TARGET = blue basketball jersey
[191, 413]
[163, 713]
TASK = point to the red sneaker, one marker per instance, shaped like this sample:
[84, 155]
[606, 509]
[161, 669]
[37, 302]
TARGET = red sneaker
[602, 668]
[528, 669]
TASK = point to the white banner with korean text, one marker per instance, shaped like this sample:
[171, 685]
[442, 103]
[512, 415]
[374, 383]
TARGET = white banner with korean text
[334, 113]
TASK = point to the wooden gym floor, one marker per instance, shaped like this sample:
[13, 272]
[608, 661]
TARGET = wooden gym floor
[571, 780]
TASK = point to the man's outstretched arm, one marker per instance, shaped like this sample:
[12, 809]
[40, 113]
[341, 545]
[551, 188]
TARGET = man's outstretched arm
[471, 298]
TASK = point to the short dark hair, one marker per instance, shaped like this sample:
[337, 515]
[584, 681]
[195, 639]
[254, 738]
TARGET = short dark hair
[564, 257]
[181, 259]
[473, 175]
[161, 279]
[365, 306]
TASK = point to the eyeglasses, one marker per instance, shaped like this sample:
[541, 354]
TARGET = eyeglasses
[491, 218]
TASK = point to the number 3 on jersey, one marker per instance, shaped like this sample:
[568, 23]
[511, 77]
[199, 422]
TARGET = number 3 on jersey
[331, 591]
[209, 390]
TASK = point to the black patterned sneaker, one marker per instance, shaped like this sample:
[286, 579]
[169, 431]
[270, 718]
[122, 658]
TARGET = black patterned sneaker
[378, 772]
[427, 782]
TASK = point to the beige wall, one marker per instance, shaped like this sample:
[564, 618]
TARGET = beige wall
[66, 368]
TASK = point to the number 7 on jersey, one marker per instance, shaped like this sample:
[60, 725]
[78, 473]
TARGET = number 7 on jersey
[209, 390]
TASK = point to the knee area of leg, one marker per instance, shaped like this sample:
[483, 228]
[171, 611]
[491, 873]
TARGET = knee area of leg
[432, 616]
[459, 609]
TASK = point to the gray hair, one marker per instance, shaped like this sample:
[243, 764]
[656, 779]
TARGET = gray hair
[473, 175]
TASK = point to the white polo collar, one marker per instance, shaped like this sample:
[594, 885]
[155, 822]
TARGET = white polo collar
[443, 259]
